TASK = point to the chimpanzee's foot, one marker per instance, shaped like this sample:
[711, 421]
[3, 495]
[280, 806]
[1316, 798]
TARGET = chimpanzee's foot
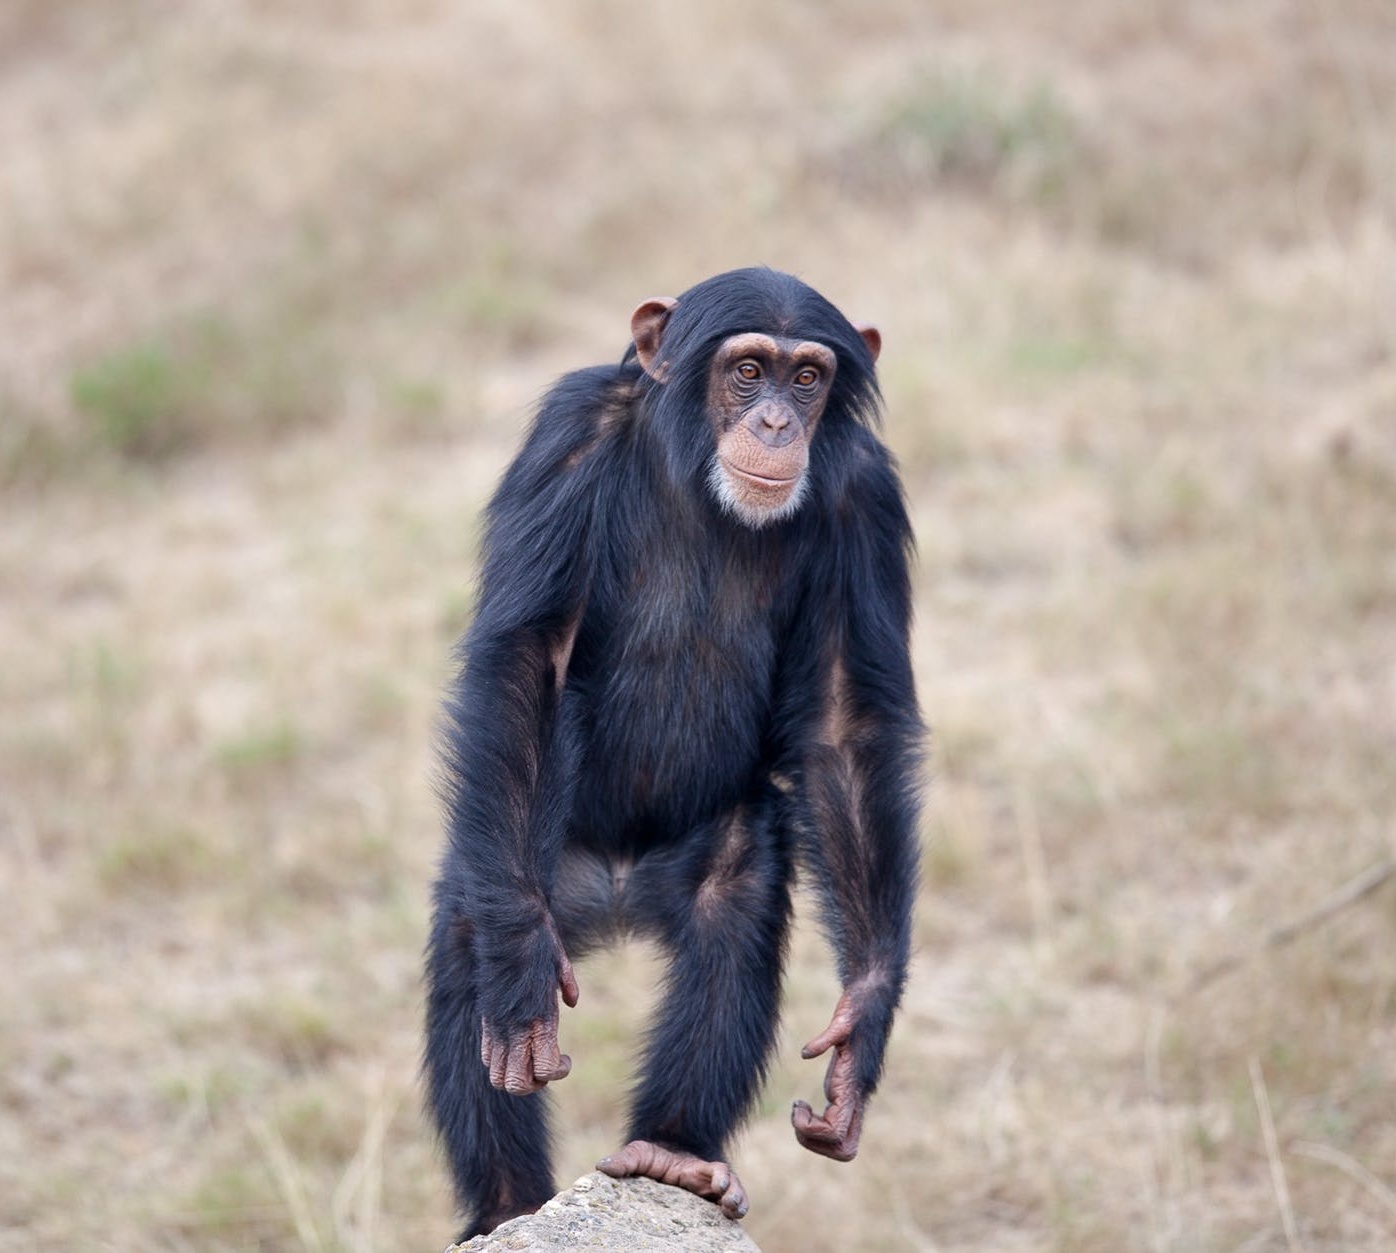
[716, 1181]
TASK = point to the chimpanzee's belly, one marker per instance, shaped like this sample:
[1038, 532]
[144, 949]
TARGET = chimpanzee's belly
[676, 724]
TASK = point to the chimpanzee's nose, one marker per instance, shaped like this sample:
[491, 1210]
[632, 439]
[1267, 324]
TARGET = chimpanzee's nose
[776, 428]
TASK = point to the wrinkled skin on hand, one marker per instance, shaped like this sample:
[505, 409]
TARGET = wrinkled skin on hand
[528, 1059]
[834, 1133]
[714, 1181]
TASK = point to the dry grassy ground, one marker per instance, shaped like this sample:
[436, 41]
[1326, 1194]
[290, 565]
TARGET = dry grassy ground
[279, 284]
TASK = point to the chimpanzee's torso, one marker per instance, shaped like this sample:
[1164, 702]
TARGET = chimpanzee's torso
[674, 674]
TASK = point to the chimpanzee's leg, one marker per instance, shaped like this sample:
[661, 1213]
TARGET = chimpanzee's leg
[721, 906]
[497, 1143]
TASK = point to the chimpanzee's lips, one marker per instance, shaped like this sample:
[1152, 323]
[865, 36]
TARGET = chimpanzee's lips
[761, 480]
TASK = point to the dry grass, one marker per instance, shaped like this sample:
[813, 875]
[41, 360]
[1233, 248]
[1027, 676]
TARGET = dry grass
[280, 283]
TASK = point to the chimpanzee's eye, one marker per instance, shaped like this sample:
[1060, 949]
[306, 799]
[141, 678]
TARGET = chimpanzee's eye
[749, 370]
[807, 377]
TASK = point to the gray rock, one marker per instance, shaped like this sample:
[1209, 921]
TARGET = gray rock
[622, 1215]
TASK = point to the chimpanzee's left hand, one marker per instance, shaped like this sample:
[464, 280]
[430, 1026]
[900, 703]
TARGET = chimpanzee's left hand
[835, 1133]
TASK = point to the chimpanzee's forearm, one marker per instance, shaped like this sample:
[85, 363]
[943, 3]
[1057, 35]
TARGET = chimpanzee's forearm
[862, 847]
[508, 755]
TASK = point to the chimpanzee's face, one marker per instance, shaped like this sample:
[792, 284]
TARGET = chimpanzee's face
[765, 396]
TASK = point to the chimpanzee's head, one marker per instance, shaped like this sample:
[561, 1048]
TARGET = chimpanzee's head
[749, 364]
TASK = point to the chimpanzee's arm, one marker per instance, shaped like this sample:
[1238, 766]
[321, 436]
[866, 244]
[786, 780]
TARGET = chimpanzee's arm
[510, 751]
[857, 794]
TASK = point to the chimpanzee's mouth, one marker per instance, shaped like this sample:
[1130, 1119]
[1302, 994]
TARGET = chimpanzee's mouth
[761, 480]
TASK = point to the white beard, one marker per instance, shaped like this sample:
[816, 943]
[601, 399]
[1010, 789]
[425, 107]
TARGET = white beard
[746, 513]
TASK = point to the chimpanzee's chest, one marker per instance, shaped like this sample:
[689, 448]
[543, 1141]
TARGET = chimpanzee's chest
[676, 672]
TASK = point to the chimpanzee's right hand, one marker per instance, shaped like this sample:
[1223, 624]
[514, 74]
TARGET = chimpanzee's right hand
[520, 1049]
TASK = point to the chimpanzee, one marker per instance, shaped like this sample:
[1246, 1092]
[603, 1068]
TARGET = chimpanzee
[687, 674]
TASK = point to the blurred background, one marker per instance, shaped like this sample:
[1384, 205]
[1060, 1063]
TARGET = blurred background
[279, 286]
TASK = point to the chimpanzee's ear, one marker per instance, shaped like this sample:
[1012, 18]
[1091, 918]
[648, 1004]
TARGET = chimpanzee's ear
[871, 336]
[647, 325]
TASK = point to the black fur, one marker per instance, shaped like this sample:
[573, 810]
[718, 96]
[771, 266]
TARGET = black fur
[696, 750]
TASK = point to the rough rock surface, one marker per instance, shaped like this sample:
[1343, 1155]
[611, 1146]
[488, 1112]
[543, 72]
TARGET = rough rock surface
[623, 1215]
